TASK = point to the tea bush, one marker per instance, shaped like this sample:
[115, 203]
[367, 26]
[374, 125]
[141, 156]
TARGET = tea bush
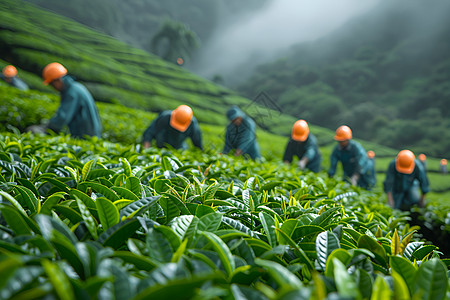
[94, 219]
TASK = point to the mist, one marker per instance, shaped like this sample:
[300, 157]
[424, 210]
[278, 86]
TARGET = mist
[268, 32]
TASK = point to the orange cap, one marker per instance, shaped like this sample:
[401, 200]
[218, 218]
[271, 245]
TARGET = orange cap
[422, 157]
[9, 71]
[181, 118]
[370, 154]
[300, 131]
[343, 133]
[404, 163]
[53, 71]
[443, 162]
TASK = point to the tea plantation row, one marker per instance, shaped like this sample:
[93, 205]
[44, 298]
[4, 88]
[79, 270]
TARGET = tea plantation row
[93, 219]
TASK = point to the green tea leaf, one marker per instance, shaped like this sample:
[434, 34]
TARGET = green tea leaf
[158, 246]
[210, 222]
[185, 226]
[117, 235]
[269, 227]
[91, 223]
[401, 291]
[345, 284]
[59, 280]
[326, 243]
[87, 169]
[30, 199]
[340, 254]
[431, 280]
[405, 269]
[222, 250]
[381, 290]
[395, 243]
[13, 201]
[107, 212]
[124, 193]
[282, 276]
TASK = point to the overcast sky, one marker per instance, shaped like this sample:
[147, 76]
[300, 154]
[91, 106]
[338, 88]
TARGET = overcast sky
[279, 25]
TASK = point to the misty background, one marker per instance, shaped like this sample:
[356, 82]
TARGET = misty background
[266, 33]
[380, 66]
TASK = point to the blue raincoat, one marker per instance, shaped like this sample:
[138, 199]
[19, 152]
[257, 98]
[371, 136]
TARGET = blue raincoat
[308, 149]
[354, 161]
[163, 133]
[405, 187]
[241, 137]
[16, 82]
[77, 110]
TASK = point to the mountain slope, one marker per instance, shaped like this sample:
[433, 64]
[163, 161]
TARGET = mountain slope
[114, 72]
[385, 74]
[136, 22]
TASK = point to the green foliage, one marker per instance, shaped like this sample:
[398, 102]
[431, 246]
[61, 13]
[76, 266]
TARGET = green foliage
[196, 225]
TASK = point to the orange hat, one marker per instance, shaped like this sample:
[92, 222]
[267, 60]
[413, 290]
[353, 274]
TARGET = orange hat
[300, 131]
[52, 72]
[422, 157]
[181, 118]
[343, 133]
[443, 162]
[404, 163]
[370, 154]
[9, 71]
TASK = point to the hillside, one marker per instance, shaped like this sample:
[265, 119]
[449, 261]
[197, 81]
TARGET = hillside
[114, 72]
[136, 22]
[385, 74]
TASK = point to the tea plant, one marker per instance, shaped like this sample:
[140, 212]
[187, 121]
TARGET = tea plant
[91, 219]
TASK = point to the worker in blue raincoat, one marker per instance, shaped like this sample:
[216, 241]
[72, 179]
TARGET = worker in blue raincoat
[173, 128]
[240, 134]
[303, 144]
[372, 172]
[423, 161]
[353, 158]
[404, 176]
[9, 75]
[77, 109]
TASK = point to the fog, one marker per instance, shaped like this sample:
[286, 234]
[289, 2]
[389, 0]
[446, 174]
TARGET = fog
[261, 36]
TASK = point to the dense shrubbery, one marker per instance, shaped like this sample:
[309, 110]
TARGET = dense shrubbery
[91, 219]
[23, 109]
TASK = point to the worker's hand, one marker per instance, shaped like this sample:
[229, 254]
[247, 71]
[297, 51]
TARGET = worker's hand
[147, 145]
[390, 199]
[354, 179]
[422, 201]
[39, 129]
[238, 152]
[302, 164]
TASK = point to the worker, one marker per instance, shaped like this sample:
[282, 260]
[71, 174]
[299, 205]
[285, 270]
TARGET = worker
[423, 160]
[372, 172]
[9, 75]
[443, 166]
[240, 134]
[403, 177]
[303, 144]
[77, 109]
[172, 128]
[353, 158]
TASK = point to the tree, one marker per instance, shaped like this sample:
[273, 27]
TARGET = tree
[174, 40]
